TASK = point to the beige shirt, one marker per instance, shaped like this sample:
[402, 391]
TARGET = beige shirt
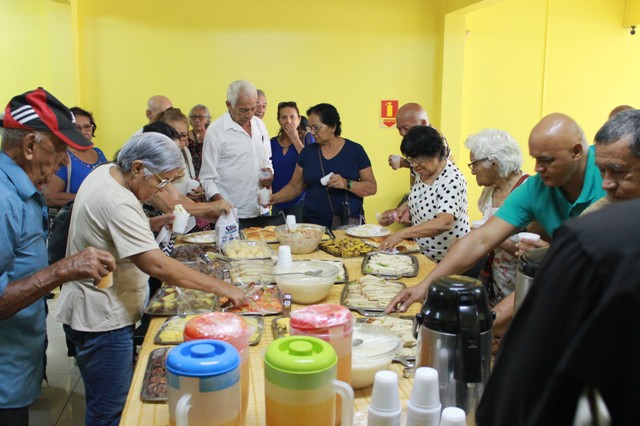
[106, 216]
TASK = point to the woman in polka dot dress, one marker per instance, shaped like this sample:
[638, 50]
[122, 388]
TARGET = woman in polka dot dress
[437, 204]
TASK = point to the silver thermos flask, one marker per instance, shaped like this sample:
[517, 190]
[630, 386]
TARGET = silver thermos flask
[453, 330]
[528, 265]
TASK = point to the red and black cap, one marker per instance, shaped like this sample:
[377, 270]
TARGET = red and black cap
[40, 110]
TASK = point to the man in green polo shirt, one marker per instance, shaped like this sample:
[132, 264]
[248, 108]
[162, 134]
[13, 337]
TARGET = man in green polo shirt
[567, 182]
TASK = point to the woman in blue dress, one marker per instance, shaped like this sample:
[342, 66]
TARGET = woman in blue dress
[285, 149]
[65, 183]
[340, 201]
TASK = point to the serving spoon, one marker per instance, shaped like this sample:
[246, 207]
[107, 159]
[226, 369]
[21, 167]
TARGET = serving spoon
[312, 273]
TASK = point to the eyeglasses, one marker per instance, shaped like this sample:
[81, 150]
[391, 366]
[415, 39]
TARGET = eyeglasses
[84, 127]
[414, 161]
[316, 129]
[473, 163]
[163, 182]
[198, 117]
[183, 136]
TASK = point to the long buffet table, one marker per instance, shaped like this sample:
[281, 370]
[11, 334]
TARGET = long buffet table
[139, 412]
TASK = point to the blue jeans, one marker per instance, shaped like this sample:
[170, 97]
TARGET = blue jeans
[105, 360]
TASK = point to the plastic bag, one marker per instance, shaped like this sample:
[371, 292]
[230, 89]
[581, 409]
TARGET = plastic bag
[227, 228]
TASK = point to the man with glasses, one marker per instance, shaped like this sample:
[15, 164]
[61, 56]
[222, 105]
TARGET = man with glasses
[37, 129]
[567, 182]
[236, 155]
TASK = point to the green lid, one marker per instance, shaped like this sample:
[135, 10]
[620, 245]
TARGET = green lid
[300, 362]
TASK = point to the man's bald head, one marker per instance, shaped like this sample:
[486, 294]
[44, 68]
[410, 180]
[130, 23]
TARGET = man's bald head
[559, 146]
[410, 115]
[156, 105]
[620, 108]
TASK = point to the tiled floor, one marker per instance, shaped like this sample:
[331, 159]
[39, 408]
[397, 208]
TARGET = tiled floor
[62, 401]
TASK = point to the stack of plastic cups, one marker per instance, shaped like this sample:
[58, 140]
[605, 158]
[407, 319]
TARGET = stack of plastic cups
[230, 328]
[284, 256]
[333, 324]
[453, 416]
[424, 405]
[384, 409]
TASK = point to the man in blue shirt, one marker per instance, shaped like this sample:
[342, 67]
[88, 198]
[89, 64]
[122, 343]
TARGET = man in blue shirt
[567, 182]
[37, 130]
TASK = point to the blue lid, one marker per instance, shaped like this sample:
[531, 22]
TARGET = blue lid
[202, 358]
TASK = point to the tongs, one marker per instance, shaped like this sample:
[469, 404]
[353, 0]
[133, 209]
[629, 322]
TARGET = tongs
[253, 294]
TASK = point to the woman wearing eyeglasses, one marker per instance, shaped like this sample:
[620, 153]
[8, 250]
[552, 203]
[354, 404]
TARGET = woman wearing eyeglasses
[437, 203]
[65, 183]
[100, 320]
[340, 202]
[284, 155]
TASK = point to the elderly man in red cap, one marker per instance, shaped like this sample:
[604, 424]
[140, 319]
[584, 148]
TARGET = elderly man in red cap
[37, 129]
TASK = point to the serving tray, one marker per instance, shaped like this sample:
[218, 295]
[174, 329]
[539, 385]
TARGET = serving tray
[346, 247]
[243, 272]
[368, 265]
[154, 384]
[204, 237]
[371, 298]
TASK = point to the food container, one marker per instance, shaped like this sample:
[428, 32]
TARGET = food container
[304, 238]
[390, 265]
[346, 247]
[371, 295]
[373, 350]
[306, 289]
[343, 274]
[269, 303]
[240, 249]
[204, 237]
[230, 328]
[154, 384]
[401, 326]
[172, 331]
[169, 301]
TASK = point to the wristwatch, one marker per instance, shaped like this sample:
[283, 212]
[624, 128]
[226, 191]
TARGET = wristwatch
[349, 183]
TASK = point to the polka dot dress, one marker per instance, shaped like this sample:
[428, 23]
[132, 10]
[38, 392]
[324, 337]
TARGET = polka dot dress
[447, 194]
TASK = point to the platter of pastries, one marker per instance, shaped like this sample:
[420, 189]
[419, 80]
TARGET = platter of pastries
[346, 247]
[390, 265]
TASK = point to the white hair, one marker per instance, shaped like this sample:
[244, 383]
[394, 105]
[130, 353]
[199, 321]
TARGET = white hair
[153, 149]
[496, 145]
[238, 87]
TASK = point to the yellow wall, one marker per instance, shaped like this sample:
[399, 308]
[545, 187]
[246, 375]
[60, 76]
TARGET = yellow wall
[351, 54]
[36, 39]
[526, 58]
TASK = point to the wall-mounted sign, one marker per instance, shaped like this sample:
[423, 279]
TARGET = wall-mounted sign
[388, 111]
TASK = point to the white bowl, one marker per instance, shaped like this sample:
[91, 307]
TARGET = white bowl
[306, 289]
[374, 354]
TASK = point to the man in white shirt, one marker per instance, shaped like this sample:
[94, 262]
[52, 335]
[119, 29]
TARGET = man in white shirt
[235, 151]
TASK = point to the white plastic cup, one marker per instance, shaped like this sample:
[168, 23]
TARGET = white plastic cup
[192, 184]
[264, 195]
[284, 256]
[528, 236]
[453, 416]
[180, 222]
[291, 221]
[325, 179]
[396, 161]
[384, 408]
[423, 408]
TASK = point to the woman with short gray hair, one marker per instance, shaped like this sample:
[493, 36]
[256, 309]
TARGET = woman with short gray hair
[496, 159]
[99, 319]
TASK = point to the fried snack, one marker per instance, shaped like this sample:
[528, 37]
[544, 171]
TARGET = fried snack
[404, 246]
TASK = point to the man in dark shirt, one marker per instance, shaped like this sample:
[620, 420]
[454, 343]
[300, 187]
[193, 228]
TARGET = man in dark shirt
[578, 330]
